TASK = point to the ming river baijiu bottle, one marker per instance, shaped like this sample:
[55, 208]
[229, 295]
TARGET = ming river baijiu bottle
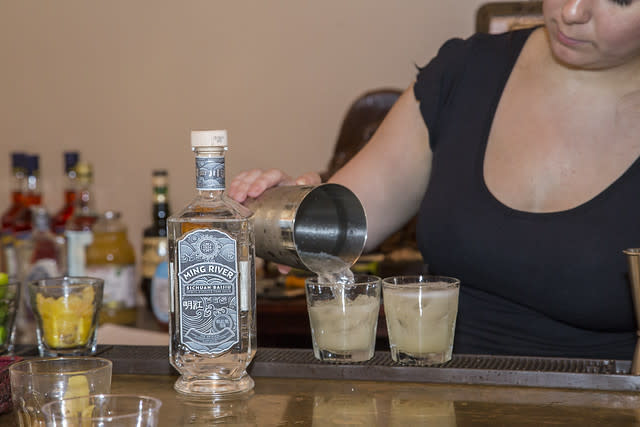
[212, 274]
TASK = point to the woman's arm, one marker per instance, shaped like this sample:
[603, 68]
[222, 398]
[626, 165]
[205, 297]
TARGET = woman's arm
[390, 174]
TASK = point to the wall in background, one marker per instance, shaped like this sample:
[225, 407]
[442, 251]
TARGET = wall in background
[125, 81]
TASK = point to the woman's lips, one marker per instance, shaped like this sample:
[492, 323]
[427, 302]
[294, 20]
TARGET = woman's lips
[568, 41]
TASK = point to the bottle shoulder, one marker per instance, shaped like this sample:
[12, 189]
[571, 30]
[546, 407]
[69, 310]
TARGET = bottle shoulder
[212, 208]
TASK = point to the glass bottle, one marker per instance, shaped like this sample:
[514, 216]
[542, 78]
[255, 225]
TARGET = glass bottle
[110, 257]
[78, 228]
[17, 178]
[42, 256]
[60, 219]
[31, 196]
[154, 238]
[212, 274]
[23, 223]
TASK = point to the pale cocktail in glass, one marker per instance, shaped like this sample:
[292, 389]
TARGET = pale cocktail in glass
[421, 317]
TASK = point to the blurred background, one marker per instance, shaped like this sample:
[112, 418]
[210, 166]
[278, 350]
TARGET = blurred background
[124, 83]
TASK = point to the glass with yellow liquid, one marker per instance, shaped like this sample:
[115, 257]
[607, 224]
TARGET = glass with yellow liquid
[66, 311]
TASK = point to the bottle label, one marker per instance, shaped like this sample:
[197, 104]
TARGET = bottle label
[42, 269]
[210, 173]
[160, 293]
[154, 251]
[208, 291]
[119, 283]
[77, 242]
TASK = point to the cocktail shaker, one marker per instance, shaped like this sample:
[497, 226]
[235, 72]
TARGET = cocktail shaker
[310, 227]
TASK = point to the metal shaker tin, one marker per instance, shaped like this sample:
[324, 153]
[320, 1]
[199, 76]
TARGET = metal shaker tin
[305, 226]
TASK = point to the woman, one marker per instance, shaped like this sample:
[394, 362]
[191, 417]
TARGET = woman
[519, 152]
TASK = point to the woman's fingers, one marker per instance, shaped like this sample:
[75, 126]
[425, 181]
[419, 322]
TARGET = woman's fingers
[268, 179]
[240, 185]
[309, 178]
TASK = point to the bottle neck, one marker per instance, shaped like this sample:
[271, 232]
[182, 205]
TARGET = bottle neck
[70, 197]
[84, 201]
[210, 171]
[18, 180]
[31, 190]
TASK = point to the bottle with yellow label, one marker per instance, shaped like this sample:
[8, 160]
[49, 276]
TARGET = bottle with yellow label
[111, 258]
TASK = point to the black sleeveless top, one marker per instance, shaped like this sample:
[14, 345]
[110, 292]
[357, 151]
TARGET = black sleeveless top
[540, 284]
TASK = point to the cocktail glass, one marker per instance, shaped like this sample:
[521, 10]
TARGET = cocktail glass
[35, 382]
[121, 410]
[66, 310]
[9, 302]
[344, 318]
[421, 318]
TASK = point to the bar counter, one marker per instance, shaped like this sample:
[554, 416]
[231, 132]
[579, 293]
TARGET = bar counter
[293, 389]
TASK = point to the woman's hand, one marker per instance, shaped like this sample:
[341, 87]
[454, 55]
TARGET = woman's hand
[252, 183]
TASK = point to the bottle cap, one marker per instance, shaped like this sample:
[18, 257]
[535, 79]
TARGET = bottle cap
[208, 138]
[17, 159]
[70, 160]
[32, 164]
[84, 172]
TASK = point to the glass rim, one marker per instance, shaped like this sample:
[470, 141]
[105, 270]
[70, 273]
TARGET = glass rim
[420, 281]
[154, 407]
[364, 279]
[14, 282]
[66, 282]
[102, 363]
[13, 285]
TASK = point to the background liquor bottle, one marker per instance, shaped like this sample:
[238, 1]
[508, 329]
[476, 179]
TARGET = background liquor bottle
[78, 229]
[60, 219]
[212, 276]
[31, 196]
[154, 239]
[110, 257]
[41, 256]
[9, 262]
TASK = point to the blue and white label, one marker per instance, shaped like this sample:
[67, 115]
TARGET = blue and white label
[160, 292]
[210, 173]
[208, 291]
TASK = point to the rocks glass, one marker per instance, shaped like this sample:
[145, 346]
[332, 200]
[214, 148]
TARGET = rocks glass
[421, 318]
[121, 410]
[344, 318]
[9, 302]
[66, 310]
[35, 382]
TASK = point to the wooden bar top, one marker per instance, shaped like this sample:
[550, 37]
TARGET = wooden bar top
[301, 402]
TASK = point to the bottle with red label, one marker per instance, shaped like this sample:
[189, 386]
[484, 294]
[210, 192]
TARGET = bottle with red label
[42, 256]
[59, 220]
[8, 259]
[31, 196]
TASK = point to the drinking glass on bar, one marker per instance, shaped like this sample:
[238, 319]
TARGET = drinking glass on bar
[421, 318]
[66, 310]
[35, 382]
[344, 318]
[121, 410]
[9, 302]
